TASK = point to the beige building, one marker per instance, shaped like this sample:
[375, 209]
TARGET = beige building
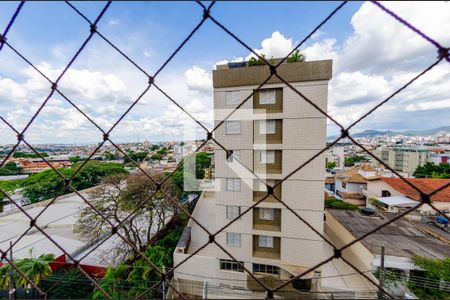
[272, 134]
[403, 159]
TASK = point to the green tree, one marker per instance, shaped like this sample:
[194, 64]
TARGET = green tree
[75, 159]
[331, 165]
[109, 156]
[427, 285]
[19, 154]
[35, 268]
[136, 156]
[10, 168]
[339, 204]
[162, 151]
[180, 177]
[256, 61]
[47, 184]
[431, 170]
[138, 278]
[296, 57]
[156, 156]
[8, 187]
[74, 286]
[118, 197]
[350, 161]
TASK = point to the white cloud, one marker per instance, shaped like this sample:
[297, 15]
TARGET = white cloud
[276, 46]
[198, 79]
[113, 22]
[442, 104]
[325, 49]
[148, 53]
[11, 91]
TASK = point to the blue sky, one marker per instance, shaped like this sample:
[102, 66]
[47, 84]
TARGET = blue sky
[372, 56]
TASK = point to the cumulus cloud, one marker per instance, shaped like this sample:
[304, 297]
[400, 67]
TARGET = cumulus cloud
[380, 56]
[198, 79]
[276, 46]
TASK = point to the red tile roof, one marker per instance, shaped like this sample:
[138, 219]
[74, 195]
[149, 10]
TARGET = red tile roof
[426, 185]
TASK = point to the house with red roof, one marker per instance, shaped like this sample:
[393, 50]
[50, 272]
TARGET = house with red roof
[397, 194]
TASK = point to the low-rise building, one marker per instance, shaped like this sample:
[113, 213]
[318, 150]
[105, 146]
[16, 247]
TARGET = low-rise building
[395, 195]
[401, 239]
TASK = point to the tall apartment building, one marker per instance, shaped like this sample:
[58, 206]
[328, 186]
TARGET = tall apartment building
[272, 134]
[403, 159]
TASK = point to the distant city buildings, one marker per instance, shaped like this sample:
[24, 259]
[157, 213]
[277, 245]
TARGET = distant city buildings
[403, 159]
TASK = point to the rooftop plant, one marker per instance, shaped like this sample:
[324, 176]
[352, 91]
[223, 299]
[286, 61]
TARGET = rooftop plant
[296, 57]
[256, 61]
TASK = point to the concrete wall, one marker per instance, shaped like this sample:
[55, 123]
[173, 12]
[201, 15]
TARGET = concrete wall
[356, 254]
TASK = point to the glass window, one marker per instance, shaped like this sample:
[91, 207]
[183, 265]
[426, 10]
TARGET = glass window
[231, 265]
[231, 154]
[267, 126]
[344, 185]
[267, 97]
[265, 241]
[268, 269]
[233, 184]
[232, 98]
[233, 211]
[233, 239]
[232, 127]
[266, 213]
[267, 157]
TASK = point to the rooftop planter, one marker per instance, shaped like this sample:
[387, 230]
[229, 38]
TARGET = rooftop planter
[241, 74]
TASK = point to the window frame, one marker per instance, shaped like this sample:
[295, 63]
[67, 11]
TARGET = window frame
[263, 124]
[265, 152]
[227, 128]
[263, 241]
[264, 97]
[230, 265]
[267, 214]
[236, 183]
[235, 98]
[233, 239]
[266, 269]
[230, 214]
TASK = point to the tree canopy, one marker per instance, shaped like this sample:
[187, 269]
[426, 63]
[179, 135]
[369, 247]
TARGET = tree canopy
[119, 197]
[431, 170]
[351, 160]
[136, 156]
[10, 168]
[47, 184]
[180, 177]
[19, 154]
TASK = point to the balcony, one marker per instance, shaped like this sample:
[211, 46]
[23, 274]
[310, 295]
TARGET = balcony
[267, 166]
[264, 224]
[277, 192]
[276, 107]
[266, 252]
[269, 138]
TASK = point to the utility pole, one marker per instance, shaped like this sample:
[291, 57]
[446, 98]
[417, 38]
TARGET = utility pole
[11, 290]
[380, 292]
[164, 283]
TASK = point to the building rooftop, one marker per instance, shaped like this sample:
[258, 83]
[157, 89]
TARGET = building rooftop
[426, 185]
[226, 76]
[400, 238]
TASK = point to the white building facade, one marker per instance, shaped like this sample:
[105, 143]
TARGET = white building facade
[273, 133]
